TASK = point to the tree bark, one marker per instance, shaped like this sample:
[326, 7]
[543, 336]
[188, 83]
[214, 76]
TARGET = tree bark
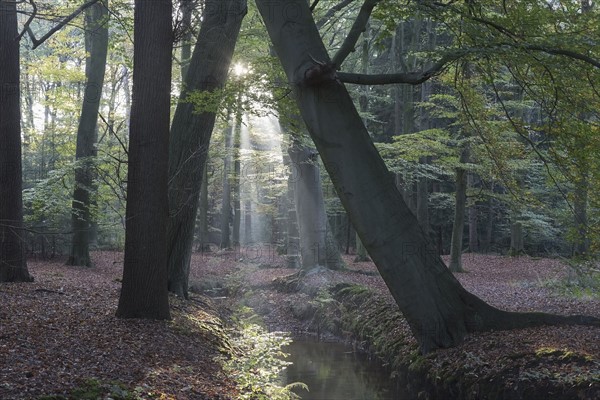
[144, 292]
[96, 41]
[473, 220]
[438, 309]
[191, 132]
[310, 207]
[13, 263]
[582, 242]
[517, 247]
[236, 178]
[459, 217]
[226, 183]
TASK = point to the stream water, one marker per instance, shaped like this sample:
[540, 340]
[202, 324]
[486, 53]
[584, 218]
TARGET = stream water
[334, 371]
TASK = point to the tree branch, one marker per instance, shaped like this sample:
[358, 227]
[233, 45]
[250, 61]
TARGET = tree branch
[331, 12]
[357, 29]
[37, 42]
[29, 20]
[411, 78]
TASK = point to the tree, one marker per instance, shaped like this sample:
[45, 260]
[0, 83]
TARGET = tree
[13, 264]
[459, 215]
[144, 292]
[438, 309]
[191, 131]
[96, 43]
[310, 207]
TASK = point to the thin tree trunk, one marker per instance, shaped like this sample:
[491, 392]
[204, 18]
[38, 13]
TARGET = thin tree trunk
[203, 211]
[13, 263]
[191, 131]
[96, 40]
[226, 184]
[237, 206]
[144, 291]
[459, 217]
[580, 214]
[473, 221]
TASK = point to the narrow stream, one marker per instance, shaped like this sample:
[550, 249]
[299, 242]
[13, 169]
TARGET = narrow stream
[334, 371]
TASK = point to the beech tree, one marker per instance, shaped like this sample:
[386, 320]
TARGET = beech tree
[13, 264]
[96, 43]
[438, 309]
[191, 131]
[144, 292]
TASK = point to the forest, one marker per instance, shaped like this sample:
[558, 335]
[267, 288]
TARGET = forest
[194, 186]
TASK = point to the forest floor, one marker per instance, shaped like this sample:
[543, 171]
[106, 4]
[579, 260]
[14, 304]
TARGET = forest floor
[60, 339]
[59, 335]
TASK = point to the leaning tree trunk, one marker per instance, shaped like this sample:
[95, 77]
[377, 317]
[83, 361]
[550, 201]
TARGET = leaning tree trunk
[191, 131]
[13, 263]
[144, 291]
[96, 43]
[438, 309]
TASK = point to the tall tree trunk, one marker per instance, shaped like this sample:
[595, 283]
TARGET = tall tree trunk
[310, 207]
[144, 292]
[361, 251]
[226, 184]
[203, 211]
[423, 199]
[332, 249]
[236, 178]
[438, 309]
[96, 43]
[473, 235]
[191, 131]
[293, 234]
[489, 230]
[517, 247]
[580, 213]
[13, 263]
[248, 222]
[459, 216]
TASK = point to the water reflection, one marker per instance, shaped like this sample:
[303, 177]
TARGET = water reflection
[333, 371]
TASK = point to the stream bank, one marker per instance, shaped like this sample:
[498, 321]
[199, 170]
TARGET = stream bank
[352, 306]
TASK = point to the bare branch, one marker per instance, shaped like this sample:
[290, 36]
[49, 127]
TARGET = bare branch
[29, 20]
[314, 5]
[37, 42]
[411, 78]
[331, 12]
[357, 29]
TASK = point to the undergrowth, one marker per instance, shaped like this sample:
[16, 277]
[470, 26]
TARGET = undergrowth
[582, 281]
[257, 360]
